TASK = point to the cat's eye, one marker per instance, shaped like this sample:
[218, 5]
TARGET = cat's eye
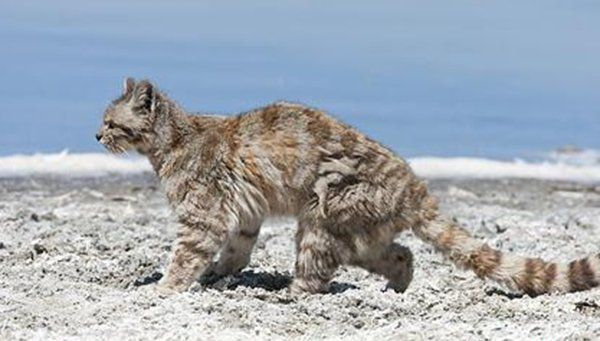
[110, 125]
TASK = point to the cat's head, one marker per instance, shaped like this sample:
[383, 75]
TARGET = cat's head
[128, 121]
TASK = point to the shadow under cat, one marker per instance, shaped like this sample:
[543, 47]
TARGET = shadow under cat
[276, 281]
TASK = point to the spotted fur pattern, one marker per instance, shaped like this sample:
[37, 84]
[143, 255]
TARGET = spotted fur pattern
[352, 196]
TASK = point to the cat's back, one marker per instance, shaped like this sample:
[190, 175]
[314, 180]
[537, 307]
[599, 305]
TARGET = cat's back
[298, 139]
[307, 125]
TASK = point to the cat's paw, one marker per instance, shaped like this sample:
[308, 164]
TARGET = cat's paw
[164, 290]
[300, 287]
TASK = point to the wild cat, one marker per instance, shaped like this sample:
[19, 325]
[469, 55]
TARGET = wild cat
[351, 196]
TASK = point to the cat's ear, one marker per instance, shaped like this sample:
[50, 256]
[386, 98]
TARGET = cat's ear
[128, 85]
[145, 96]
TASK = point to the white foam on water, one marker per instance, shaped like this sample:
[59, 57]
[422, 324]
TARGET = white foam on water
[462, 167]
[584, 166]
[65, 163]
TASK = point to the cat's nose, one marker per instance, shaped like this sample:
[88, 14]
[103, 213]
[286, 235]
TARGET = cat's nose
[98, 137]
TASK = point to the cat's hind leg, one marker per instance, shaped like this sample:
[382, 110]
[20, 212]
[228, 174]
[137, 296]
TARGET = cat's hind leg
[318, 257]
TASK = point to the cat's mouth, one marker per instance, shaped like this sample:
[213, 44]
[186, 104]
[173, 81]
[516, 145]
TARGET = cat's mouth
[115, 148]
[112, 145]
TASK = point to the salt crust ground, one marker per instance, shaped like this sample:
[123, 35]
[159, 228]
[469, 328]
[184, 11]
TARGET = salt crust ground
[75, 253]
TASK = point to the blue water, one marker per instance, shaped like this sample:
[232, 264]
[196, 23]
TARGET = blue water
[497, 79]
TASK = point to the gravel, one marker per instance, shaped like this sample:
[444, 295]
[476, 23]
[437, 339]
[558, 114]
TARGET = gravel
[78, 257]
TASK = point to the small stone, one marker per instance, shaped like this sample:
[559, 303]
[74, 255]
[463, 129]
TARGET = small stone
[359, 324]
[153, 278]
[500, 229]
[39, 248]
[102, 247]
[46, 216]
[2, 246]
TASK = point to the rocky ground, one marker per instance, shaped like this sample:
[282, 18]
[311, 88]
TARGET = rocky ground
[77, 255]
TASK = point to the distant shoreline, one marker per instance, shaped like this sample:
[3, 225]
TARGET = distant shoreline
[583, 167]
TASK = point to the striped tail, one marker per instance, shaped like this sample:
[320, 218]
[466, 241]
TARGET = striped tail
[532, 276]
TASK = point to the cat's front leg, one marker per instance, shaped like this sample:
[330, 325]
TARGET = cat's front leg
[202, 234]
[194, 250]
